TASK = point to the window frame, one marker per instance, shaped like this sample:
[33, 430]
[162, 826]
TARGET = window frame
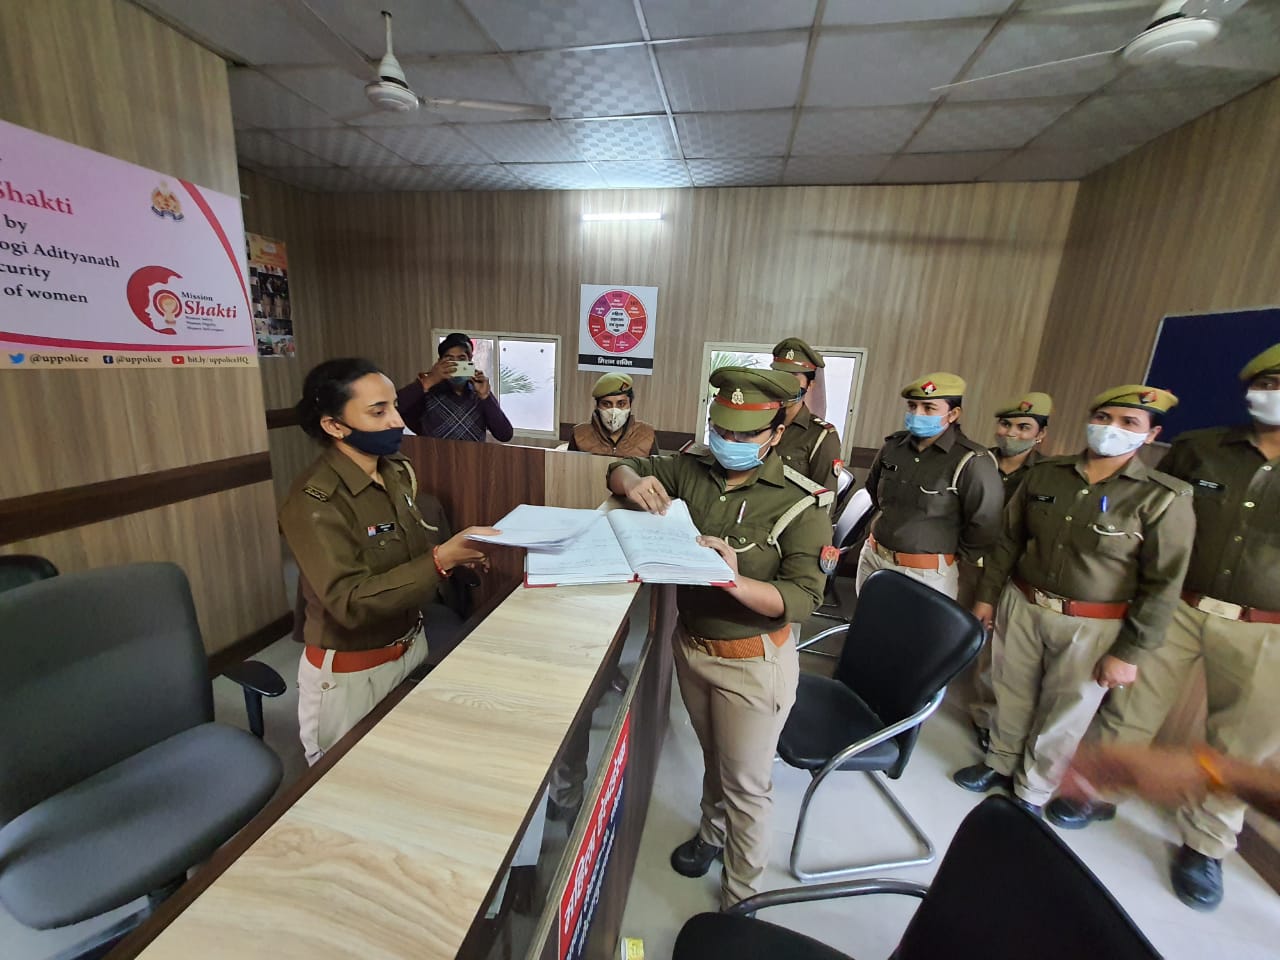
[858, 354]
[497, 336]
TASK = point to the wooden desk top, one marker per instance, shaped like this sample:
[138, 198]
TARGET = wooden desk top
[392, 853]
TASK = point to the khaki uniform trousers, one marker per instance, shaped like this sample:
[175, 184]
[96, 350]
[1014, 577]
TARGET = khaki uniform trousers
[945, 579]
[330, 704]
[1045, 691]
[738, 708]
[1242, 674]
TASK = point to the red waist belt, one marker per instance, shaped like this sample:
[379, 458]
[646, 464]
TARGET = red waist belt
[916, 561]
[1073, 608]
[743, 649]
[1231, 611]
[353, 661]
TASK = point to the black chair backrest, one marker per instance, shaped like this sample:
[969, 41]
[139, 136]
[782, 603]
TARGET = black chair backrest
[906, 642]
[19, 569]
[98, 666]
[1050, 906]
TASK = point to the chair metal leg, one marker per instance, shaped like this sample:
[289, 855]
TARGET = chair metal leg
[921, 838]
[253, 707]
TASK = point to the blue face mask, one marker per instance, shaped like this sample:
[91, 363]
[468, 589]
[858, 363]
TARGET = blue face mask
[376, 443]
[923, 425]
[734, 454]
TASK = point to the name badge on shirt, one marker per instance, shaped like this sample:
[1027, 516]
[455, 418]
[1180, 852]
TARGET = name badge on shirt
[377, 528]
[1042, 498]
[1208, 484]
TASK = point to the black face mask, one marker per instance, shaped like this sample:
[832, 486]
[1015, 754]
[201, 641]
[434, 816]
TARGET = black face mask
[376, 443]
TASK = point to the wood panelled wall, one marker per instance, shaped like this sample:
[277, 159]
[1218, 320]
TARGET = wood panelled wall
[1186, 224]
[925, 277]
[127, 85]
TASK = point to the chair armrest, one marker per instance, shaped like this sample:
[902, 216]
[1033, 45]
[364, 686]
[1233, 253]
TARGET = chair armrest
[903, 725]
[822, 635]
[256, 676]
[827, 891]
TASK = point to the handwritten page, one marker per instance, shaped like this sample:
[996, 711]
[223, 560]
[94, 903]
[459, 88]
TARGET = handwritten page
[541, 528]
[665, 549]
[594, 557]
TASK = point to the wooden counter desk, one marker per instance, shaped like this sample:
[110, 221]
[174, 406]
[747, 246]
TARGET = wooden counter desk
[394, 852]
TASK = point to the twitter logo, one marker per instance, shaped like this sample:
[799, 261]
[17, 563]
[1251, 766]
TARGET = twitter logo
[16, 358]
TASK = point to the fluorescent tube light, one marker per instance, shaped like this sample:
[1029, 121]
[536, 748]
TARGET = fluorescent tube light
[619, 217]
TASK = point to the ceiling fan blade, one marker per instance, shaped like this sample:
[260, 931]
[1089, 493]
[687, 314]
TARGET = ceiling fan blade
[1087, 8]
[1088, 58]
[346, 56]
[499, 106]
[1213, 9]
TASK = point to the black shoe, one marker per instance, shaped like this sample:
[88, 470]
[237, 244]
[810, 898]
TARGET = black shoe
[693, 858]
[980, 778]
[982, 736]
[1032, 808]
[1077, 814]
[1197, 879]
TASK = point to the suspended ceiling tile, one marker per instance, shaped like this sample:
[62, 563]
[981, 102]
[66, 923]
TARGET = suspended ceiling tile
[522, 141]
[1131, 118]
[742, 73]
[420, 27]
[680, 18]
[468, 78]
[591, 83]
[268, 150]
[558, 176]
[863, 130]
[250, 31]
[831, 170]
[736, 172]
[489, 176]
[345, 147]
[745, 134]
[258, 101]
[1180, 74]
[644, 174]
[337, 92]
[326, 179]
[632, 138]
[851, 12]
[434, 144]
[941, 167]
[879, 67]
[956, 127]
[550, 24]
[1249, 41]
[1055, 164]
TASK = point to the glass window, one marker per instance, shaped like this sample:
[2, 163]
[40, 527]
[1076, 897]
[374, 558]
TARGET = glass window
[524, 379]
[833, 397]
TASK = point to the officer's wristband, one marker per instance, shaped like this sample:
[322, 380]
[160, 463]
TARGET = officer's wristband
[435, 558]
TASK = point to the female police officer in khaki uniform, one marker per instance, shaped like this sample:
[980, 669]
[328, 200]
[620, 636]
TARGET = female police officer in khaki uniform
[735, 655]
[368, 558]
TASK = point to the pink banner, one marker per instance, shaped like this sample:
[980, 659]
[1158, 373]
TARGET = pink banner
[107, 264]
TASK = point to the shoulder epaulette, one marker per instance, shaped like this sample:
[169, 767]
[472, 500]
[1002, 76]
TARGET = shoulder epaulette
[821, 494]
[695, 449]
[1180, 488]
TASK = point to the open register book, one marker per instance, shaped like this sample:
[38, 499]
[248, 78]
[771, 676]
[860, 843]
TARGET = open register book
[624, 545]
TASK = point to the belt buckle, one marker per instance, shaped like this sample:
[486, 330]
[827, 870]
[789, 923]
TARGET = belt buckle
[1056, 604]
[1220, 608]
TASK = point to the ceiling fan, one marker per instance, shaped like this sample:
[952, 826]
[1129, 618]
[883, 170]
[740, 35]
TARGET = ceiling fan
[1178, 29]
[388, 89]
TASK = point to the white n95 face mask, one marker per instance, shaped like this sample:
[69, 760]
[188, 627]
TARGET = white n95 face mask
[1264, 406]
[614, 418]
[1108, 441]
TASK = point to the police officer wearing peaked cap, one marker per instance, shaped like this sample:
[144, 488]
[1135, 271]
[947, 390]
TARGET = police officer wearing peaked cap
[938, 493]
[735, 654]
[1228, 619]
[1087, 575]
[613, 429]
[810, 444]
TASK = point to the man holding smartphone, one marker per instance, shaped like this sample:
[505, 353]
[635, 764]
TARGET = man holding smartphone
[453, 400]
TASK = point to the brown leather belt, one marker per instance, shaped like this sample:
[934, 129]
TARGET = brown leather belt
[916, 561]
[1073, 608]
[744, 649]
[353, 661]
[1229, 611]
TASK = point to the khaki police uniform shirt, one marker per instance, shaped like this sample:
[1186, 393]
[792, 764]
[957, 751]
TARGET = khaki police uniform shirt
[1013, 479]
[811, 446]
[638, 439]
[1058, 539]
[1236, 494]
[792, 566]
[918, 511]
[363, 552]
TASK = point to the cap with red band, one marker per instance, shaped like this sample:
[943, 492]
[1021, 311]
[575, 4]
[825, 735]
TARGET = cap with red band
[748, 399]
[793, 355]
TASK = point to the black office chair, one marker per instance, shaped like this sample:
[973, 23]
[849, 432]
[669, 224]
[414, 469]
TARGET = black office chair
[114, 779]
[1007, 889]
[19, 569]
[906, 642]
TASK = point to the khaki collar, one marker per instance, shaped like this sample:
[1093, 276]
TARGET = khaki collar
[348, 470]
[1134, 468]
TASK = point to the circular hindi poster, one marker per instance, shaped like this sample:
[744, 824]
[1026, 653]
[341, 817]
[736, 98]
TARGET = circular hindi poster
[618, 321]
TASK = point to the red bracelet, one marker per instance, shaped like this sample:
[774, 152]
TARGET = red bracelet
[435, 558]
[1213, 773]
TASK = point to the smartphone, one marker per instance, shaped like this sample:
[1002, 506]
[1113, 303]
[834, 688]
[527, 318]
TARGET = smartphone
[464, 368]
